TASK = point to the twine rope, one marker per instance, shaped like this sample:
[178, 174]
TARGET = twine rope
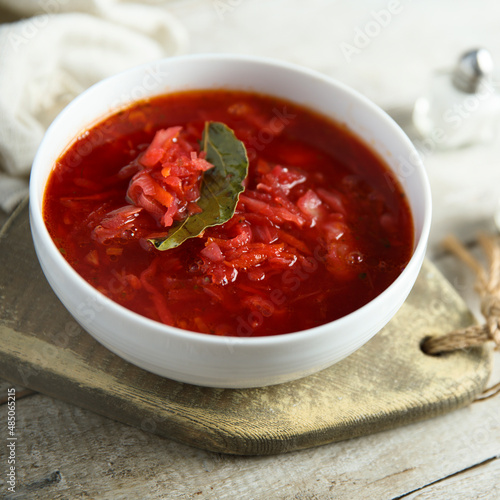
[488, 288]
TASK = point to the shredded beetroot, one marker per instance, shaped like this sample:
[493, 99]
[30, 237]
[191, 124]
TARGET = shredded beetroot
[167, 183]
[117, 224]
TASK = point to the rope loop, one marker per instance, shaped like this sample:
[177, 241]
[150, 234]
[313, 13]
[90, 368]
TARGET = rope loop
[488, 288]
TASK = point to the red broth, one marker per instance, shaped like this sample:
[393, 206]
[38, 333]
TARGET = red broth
[321, 229]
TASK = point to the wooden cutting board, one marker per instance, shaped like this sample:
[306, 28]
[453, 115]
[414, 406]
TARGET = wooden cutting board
[387, 383]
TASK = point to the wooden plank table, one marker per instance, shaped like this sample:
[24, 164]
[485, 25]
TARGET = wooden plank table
[67, 452]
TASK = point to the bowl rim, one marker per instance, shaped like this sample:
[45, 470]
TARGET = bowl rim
[36, 202]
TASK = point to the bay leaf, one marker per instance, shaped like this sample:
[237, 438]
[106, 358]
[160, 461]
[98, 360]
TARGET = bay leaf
[220, 187]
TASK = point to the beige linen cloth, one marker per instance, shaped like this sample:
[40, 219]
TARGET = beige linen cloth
[57, 50]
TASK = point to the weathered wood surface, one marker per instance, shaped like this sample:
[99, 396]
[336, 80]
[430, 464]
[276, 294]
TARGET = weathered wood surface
[479, 482]
[67, 452]
[387, 383]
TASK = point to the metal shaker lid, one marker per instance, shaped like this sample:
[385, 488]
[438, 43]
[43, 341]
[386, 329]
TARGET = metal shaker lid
[473, 68]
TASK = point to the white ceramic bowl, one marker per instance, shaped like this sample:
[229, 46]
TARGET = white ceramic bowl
[228, 361]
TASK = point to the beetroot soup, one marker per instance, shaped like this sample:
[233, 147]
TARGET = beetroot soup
[317, 225]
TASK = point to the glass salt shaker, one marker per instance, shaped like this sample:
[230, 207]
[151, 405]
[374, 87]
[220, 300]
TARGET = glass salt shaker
[462, 106]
